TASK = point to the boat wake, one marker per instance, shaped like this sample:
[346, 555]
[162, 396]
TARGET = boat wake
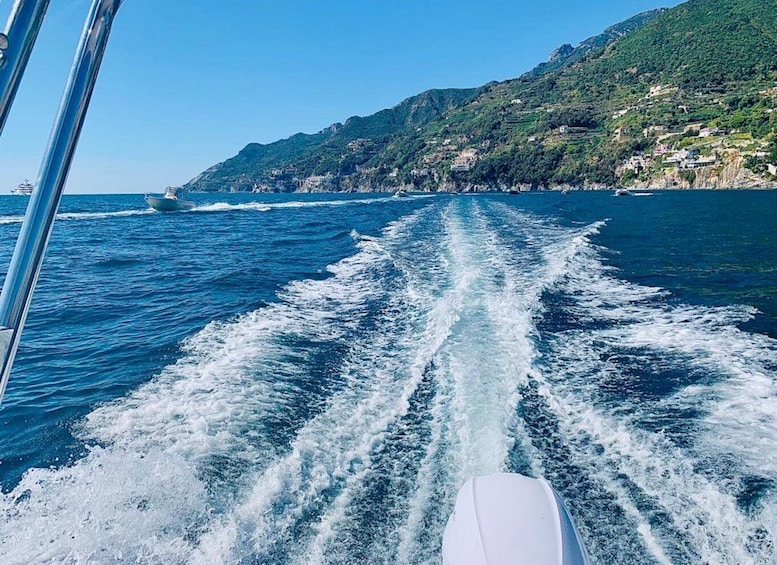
[217, 207]
[267, 206]
[82, 216]
[226, 207]
[337, 424]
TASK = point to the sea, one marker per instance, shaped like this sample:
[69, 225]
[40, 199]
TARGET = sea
[305, 379]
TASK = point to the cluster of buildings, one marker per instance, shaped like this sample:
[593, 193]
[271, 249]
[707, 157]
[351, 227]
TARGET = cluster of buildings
[709, 150]
[464, 161]
[361, 144]
[319, 183]
[690, 159]
[684, 159]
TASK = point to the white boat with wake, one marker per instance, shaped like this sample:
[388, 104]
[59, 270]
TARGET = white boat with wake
[24, 189]
[169, 201]
[627, 192]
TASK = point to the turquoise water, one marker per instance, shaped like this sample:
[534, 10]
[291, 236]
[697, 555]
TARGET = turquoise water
[310, 378]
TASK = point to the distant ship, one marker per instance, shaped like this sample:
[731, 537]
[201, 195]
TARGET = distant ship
[24, 189]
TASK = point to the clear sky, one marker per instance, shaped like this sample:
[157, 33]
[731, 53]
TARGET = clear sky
[187, 84]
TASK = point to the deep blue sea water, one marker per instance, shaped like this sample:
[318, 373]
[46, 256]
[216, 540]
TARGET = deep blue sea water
[310, 379]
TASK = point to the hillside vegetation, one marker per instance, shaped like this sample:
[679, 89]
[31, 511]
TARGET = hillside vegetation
[670, 98]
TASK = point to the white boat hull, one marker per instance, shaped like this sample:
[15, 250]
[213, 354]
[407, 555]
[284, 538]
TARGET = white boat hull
[508, 519]
[168, 204]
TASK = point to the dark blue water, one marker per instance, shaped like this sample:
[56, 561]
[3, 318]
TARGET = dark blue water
[309, 379]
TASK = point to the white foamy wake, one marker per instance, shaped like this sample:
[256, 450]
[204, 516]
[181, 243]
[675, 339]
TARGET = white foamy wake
[217, 207]
[166, 444]
[491, 302]
[476, 375]
[740, 398]
[83, 215]
[226, 207]
[683, 502]
[11, 220]
[102, 215]
[267, 206]
[436, 296]
[333, 453]
[262, 445]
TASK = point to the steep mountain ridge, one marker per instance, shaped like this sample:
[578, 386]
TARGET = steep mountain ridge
[312, 153]
[566, 54]
[668, 98]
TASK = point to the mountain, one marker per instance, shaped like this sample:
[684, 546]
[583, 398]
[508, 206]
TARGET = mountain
[566, 55]
[670, 98]
[323, 152]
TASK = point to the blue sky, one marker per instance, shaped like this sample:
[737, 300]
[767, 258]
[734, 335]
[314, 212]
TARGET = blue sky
[185, 85]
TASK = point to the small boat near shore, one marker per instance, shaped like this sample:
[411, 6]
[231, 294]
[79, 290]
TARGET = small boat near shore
[169, 201]
[400, 194]
[626, 192]
[24, 189]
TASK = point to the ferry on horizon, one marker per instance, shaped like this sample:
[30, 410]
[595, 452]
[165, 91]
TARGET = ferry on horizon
[24, 189]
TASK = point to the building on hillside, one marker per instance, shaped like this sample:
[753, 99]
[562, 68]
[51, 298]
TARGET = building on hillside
[678, 157]
[693, 127]
[708, 132]
[661, 90]
[637, 163]
[653, 129]
[464, 161]
[620, 113]
[359, 144]
[695, 163]
[318, 182]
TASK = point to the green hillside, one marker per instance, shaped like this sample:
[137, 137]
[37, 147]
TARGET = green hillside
[678, 97]
[328, 151]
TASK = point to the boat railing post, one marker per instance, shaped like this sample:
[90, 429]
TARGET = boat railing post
[16, 43]
[38, 221]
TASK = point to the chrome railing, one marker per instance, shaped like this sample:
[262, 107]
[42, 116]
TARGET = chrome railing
[15, 47]
[21, 31]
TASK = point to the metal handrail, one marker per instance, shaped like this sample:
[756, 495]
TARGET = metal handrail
[16, 44]
[38, 221]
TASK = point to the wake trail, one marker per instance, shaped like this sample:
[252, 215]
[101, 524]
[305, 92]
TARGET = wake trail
[177, 451]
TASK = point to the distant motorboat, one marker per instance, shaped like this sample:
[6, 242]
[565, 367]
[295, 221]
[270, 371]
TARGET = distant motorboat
[513, 191]
[169, 201]
[623, 192]
[400, 194]
[24, 189]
